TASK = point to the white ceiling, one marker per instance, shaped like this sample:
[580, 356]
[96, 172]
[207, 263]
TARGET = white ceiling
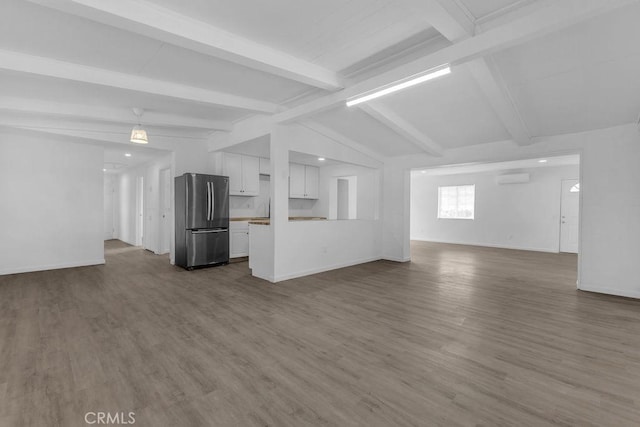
[583, 78]
[332, 33]
[580, 75]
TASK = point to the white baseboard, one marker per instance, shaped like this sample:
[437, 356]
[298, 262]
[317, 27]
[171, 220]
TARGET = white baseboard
[395, 259]
[489, 245]
[609, 291]
[325, 268]
[32, 269]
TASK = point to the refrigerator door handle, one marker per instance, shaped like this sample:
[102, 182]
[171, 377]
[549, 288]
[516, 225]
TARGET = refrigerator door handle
[221, 230]
[213, 201]
[208, 201]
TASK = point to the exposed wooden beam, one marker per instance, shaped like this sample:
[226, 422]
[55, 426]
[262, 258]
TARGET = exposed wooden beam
[106, 133]
[110, 115]
[492, 85]
[146, 18]
[402, 127]
[21, 62]
[446, 17]
[342, 139]
[555, 16]
[453, 23]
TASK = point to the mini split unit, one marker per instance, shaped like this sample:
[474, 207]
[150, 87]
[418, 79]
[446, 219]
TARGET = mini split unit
[513, 178]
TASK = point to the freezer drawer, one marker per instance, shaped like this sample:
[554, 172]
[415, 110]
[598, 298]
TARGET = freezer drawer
[206, 247]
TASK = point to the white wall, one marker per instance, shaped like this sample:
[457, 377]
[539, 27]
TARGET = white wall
[257, 206]
[316, 246]
[367, 194]
[52, 204]
[305, 247]
[515, 216]
[610, 200]
[110, 206]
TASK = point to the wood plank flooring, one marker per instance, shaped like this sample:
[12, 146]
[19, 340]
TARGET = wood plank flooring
[462, 336]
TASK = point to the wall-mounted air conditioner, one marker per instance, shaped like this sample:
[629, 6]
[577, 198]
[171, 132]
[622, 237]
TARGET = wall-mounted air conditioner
[513, 178]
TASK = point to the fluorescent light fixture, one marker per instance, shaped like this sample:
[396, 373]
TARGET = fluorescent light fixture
[542, 161]
[127, 154]
[322, 159]
[431, 74]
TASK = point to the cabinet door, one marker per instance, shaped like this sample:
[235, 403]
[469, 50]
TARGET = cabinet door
[265, 166]
[250, 176]
[296, 181]
[239, 245]
[311, 179]
[233, 169]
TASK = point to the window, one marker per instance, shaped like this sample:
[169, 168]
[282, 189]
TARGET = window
[456, 202]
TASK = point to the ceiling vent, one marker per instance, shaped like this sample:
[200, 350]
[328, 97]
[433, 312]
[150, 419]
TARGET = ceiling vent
[513, 178]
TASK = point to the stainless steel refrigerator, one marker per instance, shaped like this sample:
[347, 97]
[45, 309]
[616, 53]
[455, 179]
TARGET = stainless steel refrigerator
[202, 220]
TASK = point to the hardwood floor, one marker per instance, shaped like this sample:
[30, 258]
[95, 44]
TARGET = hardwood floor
[460, 336]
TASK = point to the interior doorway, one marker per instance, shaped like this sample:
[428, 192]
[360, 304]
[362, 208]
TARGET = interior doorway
[569, 216]
[165, 212]
[140, 211]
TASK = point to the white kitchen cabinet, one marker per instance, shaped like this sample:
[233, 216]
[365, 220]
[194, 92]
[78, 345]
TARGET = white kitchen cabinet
[296, 181]
[303, 181]
[265, 166]
[238, 239]
[250, 176]
[311, 182]
[244, 174]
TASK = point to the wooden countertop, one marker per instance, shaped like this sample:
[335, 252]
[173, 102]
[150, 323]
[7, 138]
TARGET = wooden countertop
[267, 221]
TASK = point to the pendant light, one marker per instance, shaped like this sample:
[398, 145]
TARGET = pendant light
[139, 135]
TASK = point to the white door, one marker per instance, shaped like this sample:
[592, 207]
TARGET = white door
[165, 211]
[569, 216]
[139, 211]
[109, 217]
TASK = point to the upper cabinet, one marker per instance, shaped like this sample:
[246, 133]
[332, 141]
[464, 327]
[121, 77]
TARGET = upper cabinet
[303, 181]
[265, 166]
[244, 174]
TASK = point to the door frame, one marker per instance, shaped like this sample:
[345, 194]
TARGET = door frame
[164, 233]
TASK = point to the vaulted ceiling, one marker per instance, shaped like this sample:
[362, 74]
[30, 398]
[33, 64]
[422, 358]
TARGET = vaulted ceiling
[200, 68]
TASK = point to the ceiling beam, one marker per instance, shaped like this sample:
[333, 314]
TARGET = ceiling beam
[144, 17]
[109, 115]
[14, 61]
[496, 92]
[402, 127]
[454, 24]
[105, 133]
[554, 16]
[446, 17]
[342, 139]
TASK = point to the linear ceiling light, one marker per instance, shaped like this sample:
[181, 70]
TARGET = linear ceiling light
[431, 74]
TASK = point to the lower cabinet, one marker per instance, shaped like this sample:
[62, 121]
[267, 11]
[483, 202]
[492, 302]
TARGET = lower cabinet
[238, 239]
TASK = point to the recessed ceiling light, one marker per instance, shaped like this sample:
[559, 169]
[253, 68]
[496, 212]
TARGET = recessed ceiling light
[104, 169]
[542, 161]
[431, 74]
[423, 171]
[322, 159]
[127, 154]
